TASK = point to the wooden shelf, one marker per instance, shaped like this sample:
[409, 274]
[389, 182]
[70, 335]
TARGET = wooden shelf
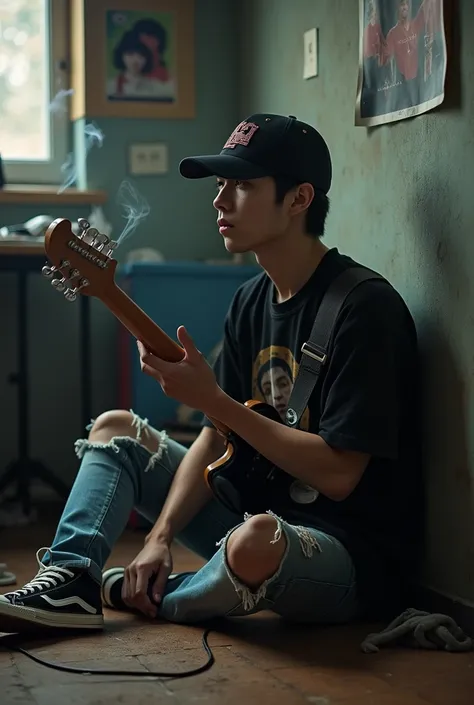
[31, 194]
[21, 247]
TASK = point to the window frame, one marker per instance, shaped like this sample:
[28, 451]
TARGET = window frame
[48, 171]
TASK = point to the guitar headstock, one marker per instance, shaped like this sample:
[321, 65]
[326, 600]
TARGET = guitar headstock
[80, 263]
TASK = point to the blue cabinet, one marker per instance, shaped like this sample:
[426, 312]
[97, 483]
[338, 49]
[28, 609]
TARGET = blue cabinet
[193, 294]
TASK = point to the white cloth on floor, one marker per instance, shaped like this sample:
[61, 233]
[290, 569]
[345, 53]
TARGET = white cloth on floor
[420, 630]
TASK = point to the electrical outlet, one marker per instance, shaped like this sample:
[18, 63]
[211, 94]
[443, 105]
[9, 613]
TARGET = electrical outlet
[310, 63]
[148, 159]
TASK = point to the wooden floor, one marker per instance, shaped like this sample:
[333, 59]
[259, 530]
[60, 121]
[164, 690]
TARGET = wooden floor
[258, 659]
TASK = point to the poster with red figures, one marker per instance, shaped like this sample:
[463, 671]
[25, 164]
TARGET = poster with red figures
[402, 59]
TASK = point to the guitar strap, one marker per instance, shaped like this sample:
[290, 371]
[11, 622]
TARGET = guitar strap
[315, 352]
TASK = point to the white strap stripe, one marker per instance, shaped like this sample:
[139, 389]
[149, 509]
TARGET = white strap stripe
[70, 601]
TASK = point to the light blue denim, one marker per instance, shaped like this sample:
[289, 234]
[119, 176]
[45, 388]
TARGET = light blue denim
[315, 582]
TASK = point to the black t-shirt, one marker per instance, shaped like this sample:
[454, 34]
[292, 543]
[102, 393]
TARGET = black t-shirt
[367, 400]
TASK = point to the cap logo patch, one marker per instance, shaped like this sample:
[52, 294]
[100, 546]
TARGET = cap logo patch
[242, 135]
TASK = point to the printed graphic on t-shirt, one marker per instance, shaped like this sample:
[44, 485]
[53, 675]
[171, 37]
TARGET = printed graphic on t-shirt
[273, 375]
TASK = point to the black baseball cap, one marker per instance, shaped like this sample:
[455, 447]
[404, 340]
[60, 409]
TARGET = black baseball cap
[267, 145]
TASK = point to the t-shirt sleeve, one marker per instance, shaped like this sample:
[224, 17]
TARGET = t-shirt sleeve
[360, 402]
[227, 366]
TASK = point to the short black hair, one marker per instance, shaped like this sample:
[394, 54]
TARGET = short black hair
[130, 44]
[317, 211]
[154, 29]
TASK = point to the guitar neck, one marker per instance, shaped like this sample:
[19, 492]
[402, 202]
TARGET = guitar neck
[141, 326]
[144, 329]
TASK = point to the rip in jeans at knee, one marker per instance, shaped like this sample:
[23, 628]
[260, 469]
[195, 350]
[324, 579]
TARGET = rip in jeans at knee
[308, 543]
[117, 442]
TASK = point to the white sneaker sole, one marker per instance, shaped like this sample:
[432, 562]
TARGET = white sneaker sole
[109, 578]
[16, 618]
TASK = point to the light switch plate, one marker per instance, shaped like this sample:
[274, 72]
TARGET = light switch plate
[310, 44]
[148, 159]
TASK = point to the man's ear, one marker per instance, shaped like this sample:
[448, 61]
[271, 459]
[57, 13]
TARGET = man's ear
[301, 198]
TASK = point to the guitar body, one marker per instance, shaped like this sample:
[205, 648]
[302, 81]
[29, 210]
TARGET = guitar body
[242, 478]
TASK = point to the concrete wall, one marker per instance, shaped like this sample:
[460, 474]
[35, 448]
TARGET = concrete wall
[402, 202]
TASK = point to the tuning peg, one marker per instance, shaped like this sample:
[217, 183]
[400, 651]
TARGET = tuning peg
[89, 234]
[112, 244]
[59, 284]
[101, 241]
[48, 271]
[83, 224]
[71, 294]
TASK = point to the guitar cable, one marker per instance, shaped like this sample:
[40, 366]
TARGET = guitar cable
[6, 643]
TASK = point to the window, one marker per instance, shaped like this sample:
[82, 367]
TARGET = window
[34, 115]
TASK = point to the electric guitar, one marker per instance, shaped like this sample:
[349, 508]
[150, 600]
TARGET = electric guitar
[83, 265]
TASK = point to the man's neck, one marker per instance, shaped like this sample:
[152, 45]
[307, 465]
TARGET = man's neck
[290, 262]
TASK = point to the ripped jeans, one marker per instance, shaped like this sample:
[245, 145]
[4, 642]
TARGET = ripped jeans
[315, 582]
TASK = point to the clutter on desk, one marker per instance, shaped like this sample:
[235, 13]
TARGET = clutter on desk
[32, 230]
[37, 226]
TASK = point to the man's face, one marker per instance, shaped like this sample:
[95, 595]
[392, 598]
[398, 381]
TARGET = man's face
[252, 216]
[404, 9]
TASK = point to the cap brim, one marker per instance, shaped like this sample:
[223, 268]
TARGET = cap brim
[223, 165]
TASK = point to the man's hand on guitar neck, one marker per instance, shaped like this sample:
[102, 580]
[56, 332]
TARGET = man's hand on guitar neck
[191, 381]
[305, 456]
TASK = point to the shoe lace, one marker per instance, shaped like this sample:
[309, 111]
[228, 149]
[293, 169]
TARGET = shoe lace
[46, 577]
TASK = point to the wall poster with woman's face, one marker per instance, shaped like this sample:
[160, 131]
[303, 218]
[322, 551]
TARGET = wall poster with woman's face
[140, 56]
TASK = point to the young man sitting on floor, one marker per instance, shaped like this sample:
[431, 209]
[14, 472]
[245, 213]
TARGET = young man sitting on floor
[344, 543]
